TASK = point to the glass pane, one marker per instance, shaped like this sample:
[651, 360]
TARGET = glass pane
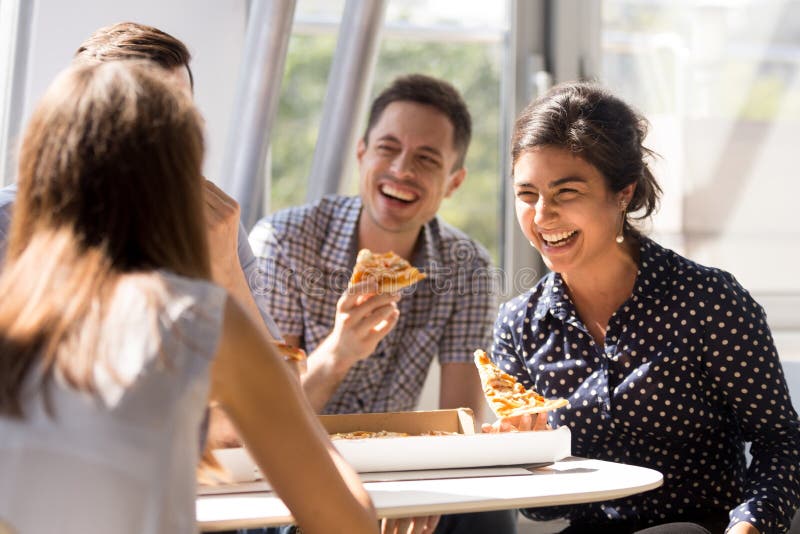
[299, 114]
[719, 81]
[472, 66]
[450, 13]
[319, 10]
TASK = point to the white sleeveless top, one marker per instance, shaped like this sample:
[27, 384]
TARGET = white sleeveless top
[122, 461]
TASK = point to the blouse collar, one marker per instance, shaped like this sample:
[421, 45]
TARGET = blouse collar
[652, 281]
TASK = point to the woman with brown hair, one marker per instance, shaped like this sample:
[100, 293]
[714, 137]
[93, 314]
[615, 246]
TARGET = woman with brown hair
[112, 336]
[666, 363]
[232, 260]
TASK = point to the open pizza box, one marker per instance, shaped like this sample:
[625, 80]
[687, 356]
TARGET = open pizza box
[464, 448]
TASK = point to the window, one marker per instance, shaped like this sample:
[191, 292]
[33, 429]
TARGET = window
[720, 82]
[420, 36]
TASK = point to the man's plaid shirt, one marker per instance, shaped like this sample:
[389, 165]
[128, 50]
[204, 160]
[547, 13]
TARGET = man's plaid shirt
[305, 256]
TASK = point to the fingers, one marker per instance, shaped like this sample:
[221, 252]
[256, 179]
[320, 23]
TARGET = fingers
[387, 320]
[395, 526]
[508, 426]
[362, 320]
[365, 317]
[376, 325]
[418, 526]
[410, 525]
[219, 205]
[541, 422]
[212, 191]
[403, 525]
[525, 422]
[430, 523]
[359, 293]
[517, 423]
[358, 305]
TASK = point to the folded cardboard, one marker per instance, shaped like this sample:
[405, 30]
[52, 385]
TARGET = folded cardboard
[463, 450]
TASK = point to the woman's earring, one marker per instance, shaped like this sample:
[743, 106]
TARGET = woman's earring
[621, 234]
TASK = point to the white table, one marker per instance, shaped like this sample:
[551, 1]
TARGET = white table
[570, 481]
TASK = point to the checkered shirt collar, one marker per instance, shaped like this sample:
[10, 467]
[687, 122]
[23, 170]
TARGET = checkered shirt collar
[344, 242]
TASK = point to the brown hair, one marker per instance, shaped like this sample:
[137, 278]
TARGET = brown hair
[129, 40]
[601, 129]
[109, 184]
[431, 92]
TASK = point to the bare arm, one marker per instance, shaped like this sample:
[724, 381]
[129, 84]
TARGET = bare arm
[255, 388]
[460, 386]
[222, 227]
[363, 318]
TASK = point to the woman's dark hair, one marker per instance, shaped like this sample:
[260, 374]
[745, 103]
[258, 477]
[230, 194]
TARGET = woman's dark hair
[599, 128]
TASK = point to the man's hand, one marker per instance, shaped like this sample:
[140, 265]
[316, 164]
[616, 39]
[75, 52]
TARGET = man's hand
[222, 227]
[517, 423]
[363, 318]
[410, 525]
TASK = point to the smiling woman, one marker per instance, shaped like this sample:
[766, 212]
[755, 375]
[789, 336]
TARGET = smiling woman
[566, 210]
[621, 319]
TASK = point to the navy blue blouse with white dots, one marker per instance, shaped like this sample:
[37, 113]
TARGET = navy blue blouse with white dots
[687, 374]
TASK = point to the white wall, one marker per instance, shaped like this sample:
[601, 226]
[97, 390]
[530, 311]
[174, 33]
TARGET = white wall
[213, 30]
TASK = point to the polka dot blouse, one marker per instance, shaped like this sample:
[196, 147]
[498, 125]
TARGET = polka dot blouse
[687, 374]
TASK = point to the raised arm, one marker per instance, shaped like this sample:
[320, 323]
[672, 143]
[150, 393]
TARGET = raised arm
[276, 423]
[363, 318]
[231, 257]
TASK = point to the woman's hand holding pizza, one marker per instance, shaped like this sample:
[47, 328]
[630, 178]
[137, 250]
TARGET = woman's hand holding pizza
[517, 423]
[518, 409]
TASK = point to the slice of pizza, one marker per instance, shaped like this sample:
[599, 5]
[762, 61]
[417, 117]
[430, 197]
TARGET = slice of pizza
[390, 270]
[295, 357]
[505, 395]
[289, 352]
